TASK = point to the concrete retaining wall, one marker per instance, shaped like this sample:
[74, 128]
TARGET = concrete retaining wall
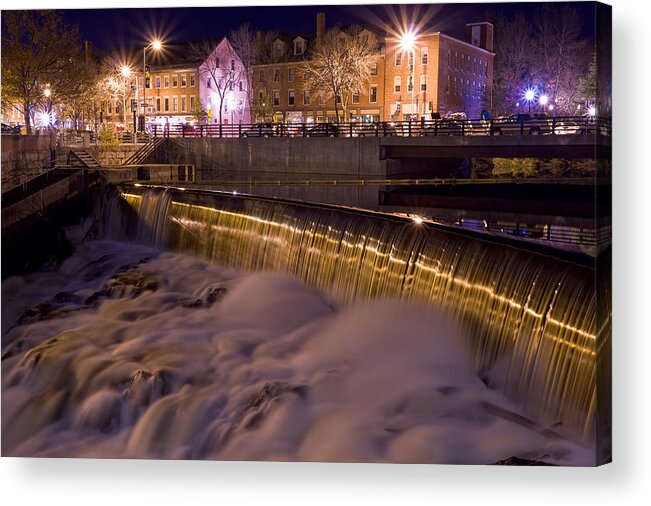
[278, 158]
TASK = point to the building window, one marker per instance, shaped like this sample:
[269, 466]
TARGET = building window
[396, 84]
[191, 79]
[455, 85]
[322, 99]
[447, 86]
[261, 76]
[355, 98]
[166, 81]
[372, 95]
[276, 75]
[208, 83]
[475, 32]
[486, 70]
[279, 48]
[232, 64]
[338, 99]
[230, 86]
[291, 74]
[158, 105]
[423, 56]
[167, 104]
[474, 65]
[306, 97]
[183, 81]
[456, 60]
[175, 104]
[410, 58]
[374, 69]
[410, 84]
[276, 98]
[191, 102]
[183, 104]
[291, 98]
[423, 82]
[241, 86]
[175, 81]
[299, 47]
[448, 58]
[157, 81]
[398, 59]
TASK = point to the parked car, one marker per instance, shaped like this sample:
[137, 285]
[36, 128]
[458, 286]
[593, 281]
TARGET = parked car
[10, 129]
[324, 130]
[381, 129]
[567, 128]
[524, 123]
[259, 130]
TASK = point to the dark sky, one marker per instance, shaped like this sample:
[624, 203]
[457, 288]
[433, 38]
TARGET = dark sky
[121, 28]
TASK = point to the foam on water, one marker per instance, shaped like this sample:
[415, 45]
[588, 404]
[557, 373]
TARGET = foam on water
[129, 352]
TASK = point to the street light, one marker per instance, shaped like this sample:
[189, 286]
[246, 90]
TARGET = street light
[407, 42]
[529, 96]
[156, 45]
[125, 70]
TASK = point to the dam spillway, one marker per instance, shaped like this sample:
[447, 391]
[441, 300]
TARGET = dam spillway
[533, 317]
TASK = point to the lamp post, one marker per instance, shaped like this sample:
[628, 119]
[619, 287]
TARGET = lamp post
[156, 45]
[407, 41]
[543, 100]
[126, 73]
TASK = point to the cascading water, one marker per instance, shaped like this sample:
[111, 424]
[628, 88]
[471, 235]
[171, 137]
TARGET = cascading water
[532, 318]
[159, 350]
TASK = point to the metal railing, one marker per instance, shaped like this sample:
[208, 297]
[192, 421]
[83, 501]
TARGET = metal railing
[512, 125]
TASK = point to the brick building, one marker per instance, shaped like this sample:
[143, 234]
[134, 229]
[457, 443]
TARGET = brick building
[280, 88]
[440, 74]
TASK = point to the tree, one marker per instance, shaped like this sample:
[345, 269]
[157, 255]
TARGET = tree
[39, 52]
[218, 69]
[198, 112]
[512, 64]
[341, 65]
[245, 45]
[588, 84]
[560, 54]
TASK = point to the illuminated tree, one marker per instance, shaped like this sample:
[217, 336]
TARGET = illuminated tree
[341, 65]
[245, 45]
[39, 52]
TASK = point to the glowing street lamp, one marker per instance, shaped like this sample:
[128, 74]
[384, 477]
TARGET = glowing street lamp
[543, 100]
[529, 96]
[592, 111]
[47, 92]
[125, 71]
[407, 43]
[156, 45]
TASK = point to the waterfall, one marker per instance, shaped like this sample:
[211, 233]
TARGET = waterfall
[536, 324]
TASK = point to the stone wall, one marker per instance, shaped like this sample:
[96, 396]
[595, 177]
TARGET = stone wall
[23, 157]
[113, 155]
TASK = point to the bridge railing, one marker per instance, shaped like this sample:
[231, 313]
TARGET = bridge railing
[523, 124]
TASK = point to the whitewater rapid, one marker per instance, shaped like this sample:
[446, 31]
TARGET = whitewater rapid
[128, 352]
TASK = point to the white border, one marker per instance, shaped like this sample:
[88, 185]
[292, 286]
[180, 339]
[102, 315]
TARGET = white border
[626, 481]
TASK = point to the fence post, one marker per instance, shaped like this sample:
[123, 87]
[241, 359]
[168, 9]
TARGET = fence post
[409, 128]
[463, 128]
[350, 129]
[554, 125]
[521, 126]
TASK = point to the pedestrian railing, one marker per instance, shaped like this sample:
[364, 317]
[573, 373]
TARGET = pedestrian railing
[514, 125]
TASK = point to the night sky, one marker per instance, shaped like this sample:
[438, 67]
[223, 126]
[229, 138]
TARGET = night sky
[122, 28]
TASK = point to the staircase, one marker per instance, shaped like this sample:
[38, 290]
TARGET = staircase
[82, 158]
[140, 157]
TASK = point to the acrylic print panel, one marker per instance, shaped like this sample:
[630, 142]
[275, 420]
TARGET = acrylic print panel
[308, 233]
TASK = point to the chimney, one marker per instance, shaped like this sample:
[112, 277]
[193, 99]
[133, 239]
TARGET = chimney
[259, 37]
[480, 35]
[320, 28]
[89, 52]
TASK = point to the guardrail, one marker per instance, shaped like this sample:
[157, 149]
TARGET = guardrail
[520, 125]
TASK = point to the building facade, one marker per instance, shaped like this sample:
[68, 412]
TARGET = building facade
[438, 75]
[282, 92]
